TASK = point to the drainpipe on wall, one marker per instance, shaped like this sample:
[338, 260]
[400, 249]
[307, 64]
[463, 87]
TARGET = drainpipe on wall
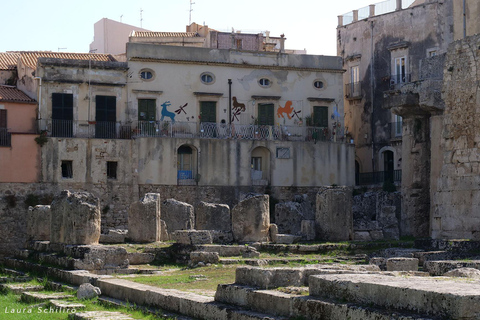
[372, 124]
[39, 116]
[230, 102]
[464, 20]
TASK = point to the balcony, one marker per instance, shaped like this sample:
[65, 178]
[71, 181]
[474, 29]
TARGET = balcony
[397, 80]
[353, 90]
[379, 177]
[5, 138]
[203, 130]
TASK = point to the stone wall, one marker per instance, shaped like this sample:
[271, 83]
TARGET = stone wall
[455, 209]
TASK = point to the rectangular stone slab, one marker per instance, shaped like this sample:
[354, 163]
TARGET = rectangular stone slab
[444, 297]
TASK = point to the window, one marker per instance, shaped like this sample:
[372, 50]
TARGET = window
[398, 126]
[146, 74]
[256, 163]
[431, 53]
[239, 43]
[320, 117]
[105, 116]
[318, 84]
[266, 115]
[208, 111]
[112, 170]
[283, 153]
[264, 82]
[5, 136]
[400, 75]
[3, 118]
[354, 74]
[67, 169]
[62, 115]
[207, 78]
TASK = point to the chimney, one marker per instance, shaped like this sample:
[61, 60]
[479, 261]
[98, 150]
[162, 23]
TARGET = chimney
[340, 21]
[399, 5]
[282, 43]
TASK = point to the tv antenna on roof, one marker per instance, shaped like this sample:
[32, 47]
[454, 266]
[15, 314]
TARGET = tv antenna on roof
[121, 18]
[191, 9]
[141, 18]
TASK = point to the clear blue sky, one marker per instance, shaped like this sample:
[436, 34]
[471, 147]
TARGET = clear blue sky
[53, 24]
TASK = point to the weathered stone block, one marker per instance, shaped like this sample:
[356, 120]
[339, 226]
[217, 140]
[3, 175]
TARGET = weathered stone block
[333, 218]
[114, 236]
[97, 257]
[88, 291]
[273, 232]
[144, 219]
[192, 237]
[380, 262]
[307, 230]
[75, 218]
[362, 236]
[251, 219]
[177, 215]
[212, 216]
[287, 238]
[38, 223]
[140, 258]
[205, 257]
[289, 215]
[402, 264]
[464, 273]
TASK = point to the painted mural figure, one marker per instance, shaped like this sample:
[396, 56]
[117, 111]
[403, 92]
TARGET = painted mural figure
[287, 109]
[166, 113]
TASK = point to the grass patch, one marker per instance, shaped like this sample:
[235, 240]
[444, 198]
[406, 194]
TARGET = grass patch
[204, 278]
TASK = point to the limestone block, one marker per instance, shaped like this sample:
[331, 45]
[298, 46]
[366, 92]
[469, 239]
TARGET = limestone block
[402, 264]
[75, 218]
[192, 237]
[287, 238]
[221, 237]
[205, 257]
[439, 268]
[307, 230]
[376, 234]
[333, 217]
[273, 232]
[251, 219]
[38, 223]
[164, 232]
[289, 215]
[380, 262]
[144, 219]
[362, 236]
[97, 257]
[114, 236]
[177, 215]
[464, 273]
[251, 252]
[88, 291]
[136, 258]
[212, 216]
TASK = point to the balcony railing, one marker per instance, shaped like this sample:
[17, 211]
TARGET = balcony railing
[5, 138]
[353, 90]
[203, 130]
[371, 178]
[397, 80]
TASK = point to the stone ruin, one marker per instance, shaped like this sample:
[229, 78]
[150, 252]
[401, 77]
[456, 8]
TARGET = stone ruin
[144, 219]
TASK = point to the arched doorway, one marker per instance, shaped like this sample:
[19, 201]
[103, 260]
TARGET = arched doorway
[186, 165]
[260, 166]
[388, 165]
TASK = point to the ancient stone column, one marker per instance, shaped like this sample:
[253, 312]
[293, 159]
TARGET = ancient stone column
[75, 218]
[144, 219]
[333, 217]
[38, 223]
[251, 219]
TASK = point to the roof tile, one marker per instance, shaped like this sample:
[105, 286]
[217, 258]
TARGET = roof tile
[30, 58]
[152, 34]
[8, 60]
[12, 94]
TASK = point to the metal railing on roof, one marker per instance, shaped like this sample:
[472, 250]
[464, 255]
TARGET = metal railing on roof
[380, 8]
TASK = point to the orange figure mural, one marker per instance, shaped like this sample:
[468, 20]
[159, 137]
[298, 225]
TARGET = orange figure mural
[287, 109]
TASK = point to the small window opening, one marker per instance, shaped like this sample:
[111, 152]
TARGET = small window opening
[67, 169]
[111, 169]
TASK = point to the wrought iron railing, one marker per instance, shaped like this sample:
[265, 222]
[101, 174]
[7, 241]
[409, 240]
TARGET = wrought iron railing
[353, 90]
[399, 79]
[5, 138]
[203, 130]
[371, 178]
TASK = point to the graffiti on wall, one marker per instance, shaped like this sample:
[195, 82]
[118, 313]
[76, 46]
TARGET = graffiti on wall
[287, 110]
[237, 109]
[166, 113]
